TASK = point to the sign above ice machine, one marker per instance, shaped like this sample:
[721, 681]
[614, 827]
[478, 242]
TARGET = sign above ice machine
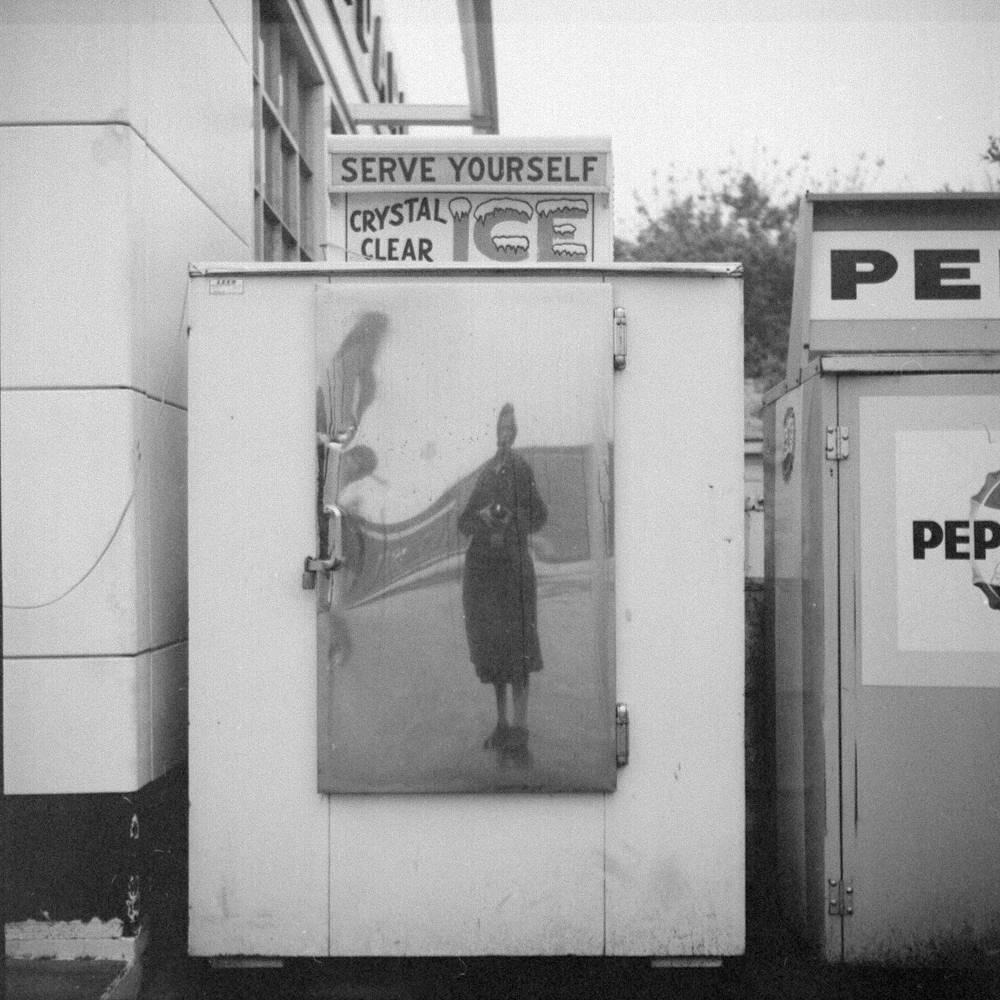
[400, 199]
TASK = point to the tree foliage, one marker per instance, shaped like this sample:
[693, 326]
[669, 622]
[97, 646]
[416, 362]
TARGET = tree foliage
[992, 156]
[740, 215]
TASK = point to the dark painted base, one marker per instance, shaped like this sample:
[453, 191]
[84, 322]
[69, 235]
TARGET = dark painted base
[80, 857]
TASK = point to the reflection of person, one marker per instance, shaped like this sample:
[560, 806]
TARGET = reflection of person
[499, 594]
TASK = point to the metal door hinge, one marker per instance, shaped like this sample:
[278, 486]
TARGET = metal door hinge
[840, 897]
[838, 441]
[620, 339]
[621, 734]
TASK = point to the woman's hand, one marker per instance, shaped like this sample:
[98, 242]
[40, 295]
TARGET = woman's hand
[495, 516]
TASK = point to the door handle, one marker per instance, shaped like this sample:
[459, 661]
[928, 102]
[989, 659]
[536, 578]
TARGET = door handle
[333, 559]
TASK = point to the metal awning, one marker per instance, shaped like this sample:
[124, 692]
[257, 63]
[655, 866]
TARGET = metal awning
[476, 21]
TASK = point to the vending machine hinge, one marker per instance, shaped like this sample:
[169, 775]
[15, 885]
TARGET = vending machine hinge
[621, 734]
[840, 897]
[838, 440]
[620, 338]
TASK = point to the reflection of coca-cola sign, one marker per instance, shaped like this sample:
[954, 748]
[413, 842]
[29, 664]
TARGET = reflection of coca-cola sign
[399, 199]
[976, 540]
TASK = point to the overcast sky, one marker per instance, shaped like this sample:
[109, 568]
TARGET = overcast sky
[701, 85]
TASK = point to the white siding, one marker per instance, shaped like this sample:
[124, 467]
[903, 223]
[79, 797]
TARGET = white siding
[103, 724]
[67, 270]
[126, 151]
[69, 472]
[174, 72]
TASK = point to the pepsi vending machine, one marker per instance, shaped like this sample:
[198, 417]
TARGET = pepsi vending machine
[883, 561]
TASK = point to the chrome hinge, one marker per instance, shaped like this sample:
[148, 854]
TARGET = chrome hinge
[620, 339]
[840, 897]
[838, 441]
[621, 734]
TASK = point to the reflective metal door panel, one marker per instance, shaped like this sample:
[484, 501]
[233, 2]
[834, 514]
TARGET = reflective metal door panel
[465, 642]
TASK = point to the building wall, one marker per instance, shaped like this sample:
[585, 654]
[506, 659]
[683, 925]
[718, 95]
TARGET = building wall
[126, 150]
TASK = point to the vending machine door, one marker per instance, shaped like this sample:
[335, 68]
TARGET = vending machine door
[464, 612]
[920, 681]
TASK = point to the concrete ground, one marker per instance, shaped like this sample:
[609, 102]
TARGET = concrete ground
[552, 979]
[177, 978]
[52, 979]
[775, 967]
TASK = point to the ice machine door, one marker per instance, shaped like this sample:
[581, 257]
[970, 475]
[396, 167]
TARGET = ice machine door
[464, 445]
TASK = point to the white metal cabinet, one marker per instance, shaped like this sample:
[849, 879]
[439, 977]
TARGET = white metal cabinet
[278, 868]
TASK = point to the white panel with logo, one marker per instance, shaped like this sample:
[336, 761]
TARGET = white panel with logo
[912, 274]
[930, 539]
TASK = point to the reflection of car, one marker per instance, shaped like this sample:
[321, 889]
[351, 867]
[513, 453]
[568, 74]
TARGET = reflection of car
[428, 546]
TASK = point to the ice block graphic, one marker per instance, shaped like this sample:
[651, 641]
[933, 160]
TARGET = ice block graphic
[555, 230]
[460, 209]
[501, 246]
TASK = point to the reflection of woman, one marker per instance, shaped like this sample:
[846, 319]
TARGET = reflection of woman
[498, 584]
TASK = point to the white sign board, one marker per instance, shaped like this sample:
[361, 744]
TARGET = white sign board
[906, 274]
[930, 540]
[400, 199]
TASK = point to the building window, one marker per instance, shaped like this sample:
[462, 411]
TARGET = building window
[289, 139]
